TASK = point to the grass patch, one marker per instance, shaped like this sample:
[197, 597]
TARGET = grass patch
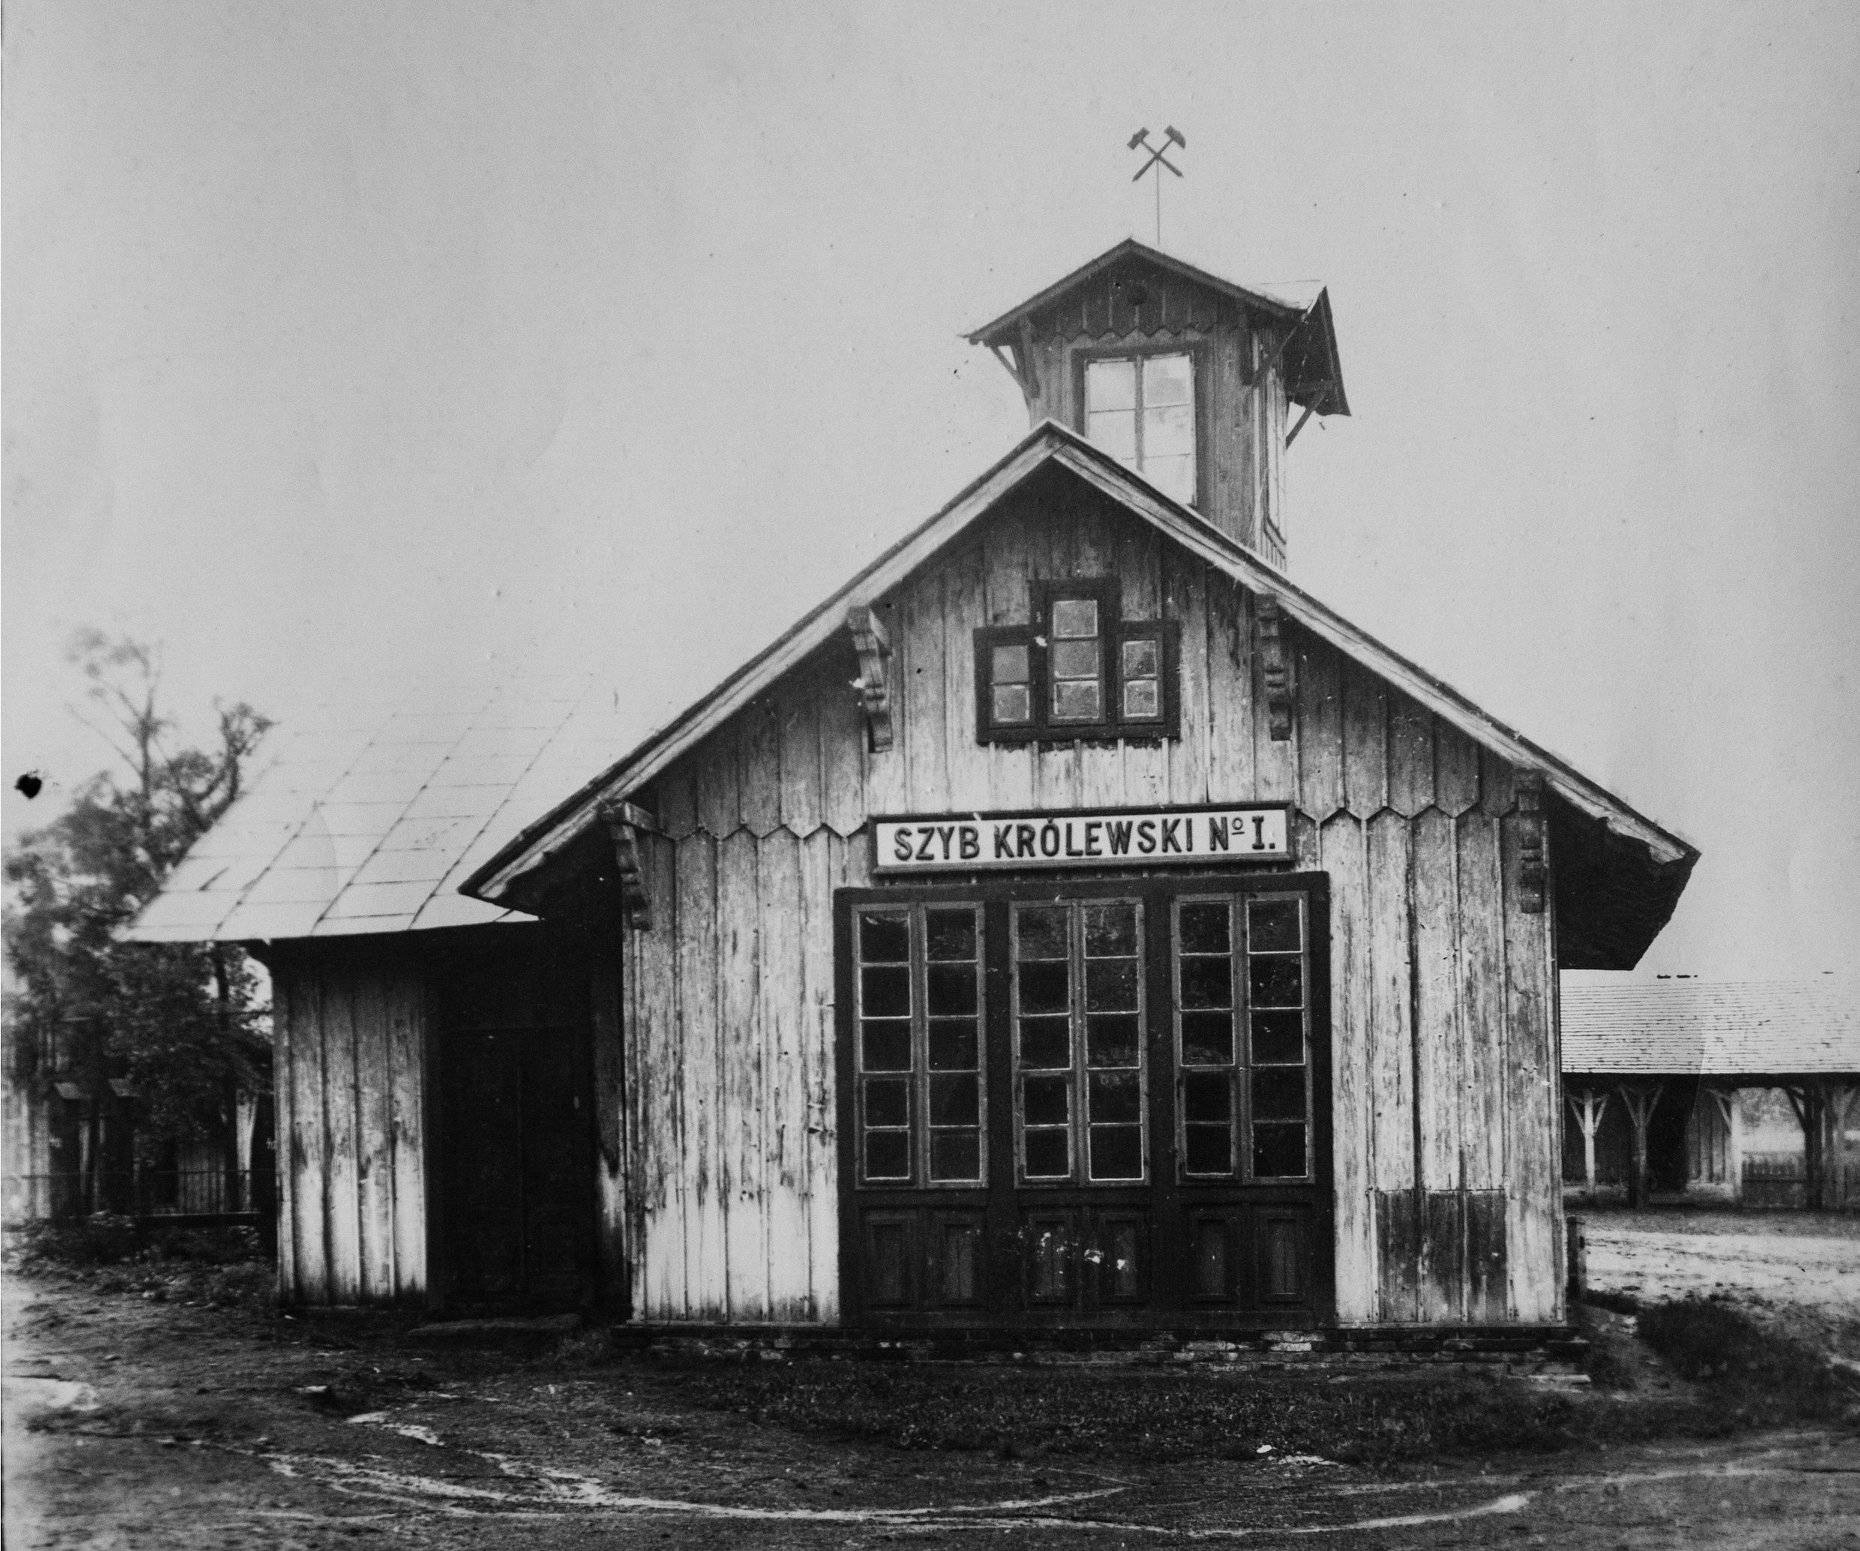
[1143, 1414]
[217, 1267]
[1764, 1376]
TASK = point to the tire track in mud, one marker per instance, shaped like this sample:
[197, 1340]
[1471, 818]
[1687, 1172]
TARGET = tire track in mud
[525, 1491]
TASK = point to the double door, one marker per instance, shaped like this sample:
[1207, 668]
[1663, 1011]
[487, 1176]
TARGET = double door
[1071, 1103]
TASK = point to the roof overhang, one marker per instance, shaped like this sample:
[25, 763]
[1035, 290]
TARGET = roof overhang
[1313, 372]
[1636, 866]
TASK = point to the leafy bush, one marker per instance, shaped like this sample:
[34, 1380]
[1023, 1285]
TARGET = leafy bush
[102, 1239]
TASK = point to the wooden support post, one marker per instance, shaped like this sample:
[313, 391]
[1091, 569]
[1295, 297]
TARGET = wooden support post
[1842, 1102]
[1639, 1099]
[1806, 1100]
[1588, 1105]
[1731, 1112]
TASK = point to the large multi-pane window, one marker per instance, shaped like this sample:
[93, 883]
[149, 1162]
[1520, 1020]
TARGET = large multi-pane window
[1243, 1037]
[919, 1055]
[1141, 410]
[1078, 1041]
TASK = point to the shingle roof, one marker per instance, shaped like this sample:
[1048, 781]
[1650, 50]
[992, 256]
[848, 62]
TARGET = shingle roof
[367, 818]
[1705, 1028]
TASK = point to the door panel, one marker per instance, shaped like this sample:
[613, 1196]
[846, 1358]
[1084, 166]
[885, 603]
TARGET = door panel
[1096, 1103]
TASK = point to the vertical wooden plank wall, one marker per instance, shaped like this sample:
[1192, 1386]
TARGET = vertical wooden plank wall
[1444, 1056]
[350, 1032]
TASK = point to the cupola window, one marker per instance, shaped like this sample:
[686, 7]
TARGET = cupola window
[1141, 410]
[1078, 670]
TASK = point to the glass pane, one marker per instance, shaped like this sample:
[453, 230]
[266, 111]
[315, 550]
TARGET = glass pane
[1011, 705]
[1046, 1101]
[1210, 1150]
[888, 1155]
[1278, 1152]
[950, 934]
[951, 991]
[1045, 986]
[1110, 930]
[886, 1047]
[952, 1044]
[1116, 1152]
[1272, 926]
[1110, 384]
[955, 1101]
[1207, 982]
[1174, 476]
[1142, 701]
[1110, 985]
[1207, 1038]
[1049, 1154]
[1075, 619]
[1046, 1042]
[1141, 660]
[1168, 433]
[1042, 933]
[1075, 659]
[1116, 1098]
[1207, 1096]
[884, 939]
[1011, 665]
[1204, 926]
[1168, 379]
[1077, 700]
[887, 1101]
[886, 991]
[1114, 431]
[955, 1155]
[1111, 1041]
[1279, 1093]
[1279, 1037]
[1277, 982]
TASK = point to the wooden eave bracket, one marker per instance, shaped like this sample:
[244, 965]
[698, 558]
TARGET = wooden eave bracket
[1276, 664]
[625, 821]
[1533, 860]
[873, 644]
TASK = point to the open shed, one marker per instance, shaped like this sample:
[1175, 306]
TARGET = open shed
[1654, 1070]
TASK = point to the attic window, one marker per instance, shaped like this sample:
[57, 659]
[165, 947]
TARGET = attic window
[1079, 670]
[1141, 410]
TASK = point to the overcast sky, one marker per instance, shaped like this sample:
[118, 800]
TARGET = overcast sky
[349, 342]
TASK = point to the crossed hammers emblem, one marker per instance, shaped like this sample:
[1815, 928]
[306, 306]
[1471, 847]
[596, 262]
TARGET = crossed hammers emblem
[1158, 153]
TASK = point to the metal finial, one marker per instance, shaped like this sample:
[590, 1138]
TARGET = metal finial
[1158, 160]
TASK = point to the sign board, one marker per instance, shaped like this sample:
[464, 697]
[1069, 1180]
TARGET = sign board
[1143, 837]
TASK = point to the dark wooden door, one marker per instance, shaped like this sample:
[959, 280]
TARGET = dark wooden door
[515, 1193]
[1091, 1103]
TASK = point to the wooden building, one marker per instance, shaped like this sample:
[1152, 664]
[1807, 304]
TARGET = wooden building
[1655, 1071]
[1137, 943]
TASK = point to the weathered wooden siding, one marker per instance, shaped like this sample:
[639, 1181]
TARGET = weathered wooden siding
[350, 1031]
[1446, 1130]
[1240, 389]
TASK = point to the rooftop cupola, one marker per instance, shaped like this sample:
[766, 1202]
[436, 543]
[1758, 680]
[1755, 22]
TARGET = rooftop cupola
[1180, 375]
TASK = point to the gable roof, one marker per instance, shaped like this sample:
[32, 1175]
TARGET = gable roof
[1703, 1028]
[1313, 374]
[1049, 445]
[368, 817]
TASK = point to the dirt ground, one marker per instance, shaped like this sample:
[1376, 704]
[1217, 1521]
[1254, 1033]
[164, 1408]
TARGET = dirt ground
[136, 1423]
[1798, 1270]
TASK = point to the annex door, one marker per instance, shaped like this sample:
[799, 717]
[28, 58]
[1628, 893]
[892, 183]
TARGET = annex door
[515, 1207]
[1086, 1104]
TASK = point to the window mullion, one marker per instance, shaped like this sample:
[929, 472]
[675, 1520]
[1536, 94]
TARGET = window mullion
[920, 1040]
[1243, 1040]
